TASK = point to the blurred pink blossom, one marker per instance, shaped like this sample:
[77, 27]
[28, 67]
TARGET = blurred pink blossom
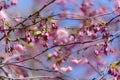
[66, 69]
[19, 47]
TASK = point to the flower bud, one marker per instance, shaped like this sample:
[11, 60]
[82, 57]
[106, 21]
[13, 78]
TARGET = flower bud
[19, 48]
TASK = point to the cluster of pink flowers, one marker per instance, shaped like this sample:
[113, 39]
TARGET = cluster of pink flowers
[6, 6]
[114, 73]
[88, 42]
[63, 69]
[79, 61]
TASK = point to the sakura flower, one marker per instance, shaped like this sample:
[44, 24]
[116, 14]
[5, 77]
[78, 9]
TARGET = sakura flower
[79, 61]
[3, 15]
[75, 61]
[117, 3]
[62, 2]
[69, 69]
[63, 69]
[55, 55]
[81, 34]
[89, 33]
[14, 2]
[19, 47]
[96, 52]
[66, 69]
[17, 20]
[62, 33]
[83, 60]
[101, 63]
[54, 67]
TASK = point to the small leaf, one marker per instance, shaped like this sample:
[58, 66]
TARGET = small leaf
[49, 57]
[29, 45]
[36, 33]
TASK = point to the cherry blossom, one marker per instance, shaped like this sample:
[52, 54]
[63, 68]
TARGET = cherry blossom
[66, 69]
[58, 38]
[19, 47]
[62, 33]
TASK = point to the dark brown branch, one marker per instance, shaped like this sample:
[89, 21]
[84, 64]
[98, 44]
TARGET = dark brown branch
[112, 20]
[94, 68]
[32, 68]
[4, 71]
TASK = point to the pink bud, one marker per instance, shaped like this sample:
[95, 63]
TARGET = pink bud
[115, 72]
[63, 69]
[3, 15]
[81, 34]
[36, 39]
[54, 67]
[112, 50]
[96, 52]
[28, 39]
[101, 63]
[69, 69]
[19, 47]
[1, 8]
[17, 20]
[66, 69]
[89, 33]
[54, 26]
[45, 36]
[111, 71]
[55, 55]
[14, 2]
[62, 33]
[94, 35]
[75, 61]
[83, 60]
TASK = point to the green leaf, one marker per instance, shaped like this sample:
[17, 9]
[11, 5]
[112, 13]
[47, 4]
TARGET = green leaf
[49, 57]
[36, 33]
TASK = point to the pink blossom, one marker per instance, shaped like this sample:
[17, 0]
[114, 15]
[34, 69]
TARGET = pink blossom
[14, 2]
[45, 36]
[81, 34]
[96, 52]
[63, 69]
[75, 61]
[101, 10]
[17, 20]
[19, 47]
[117, 3]
[101, 63]
[54, 67]
[66, 69]
[89, 33]
[79, 61]
[69, 69]
[61, 2]
[55, 54]
[83, 60]
[3, 15]
[62, 33]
